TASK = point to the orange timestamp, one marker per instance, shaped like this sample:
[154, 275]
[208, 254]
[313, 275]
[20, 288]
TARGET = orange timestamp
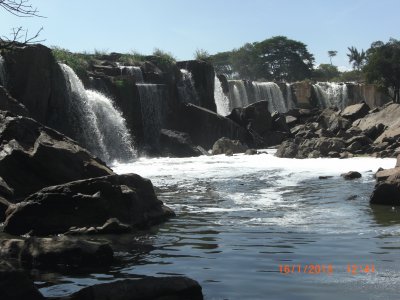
[316, 269]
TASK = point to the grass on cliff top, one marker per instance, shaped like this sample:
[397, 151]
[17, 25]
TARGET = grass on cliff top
[79, 62]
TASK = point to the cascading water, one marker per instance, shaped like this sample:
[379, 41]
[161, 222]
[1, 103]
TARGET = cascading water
[289, 97]
[331, 94]
[221, 101]
[2, 71]
[135, 72]
[152, 101]
[237, 94]
[186, 89]
[271, 92]
[96, 124]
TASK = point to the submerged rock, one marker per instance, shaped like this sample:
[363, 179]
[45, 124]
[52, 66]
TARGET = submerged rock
[88, 203]
[162, 288]
[351, 175]
[34, 156]
[227, 146]
[53, 252]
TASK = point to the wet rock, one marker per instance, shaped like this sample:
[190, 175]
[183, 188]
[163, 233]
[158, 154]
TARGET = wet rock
[291, 121]
[55, 252]
[279, 123]
[251, 152]
[356, 111]
[225, 146]
[88, 203]
[325, 177]
[16, 285]
[346, 154]
[287, 149]
[354, 147]
[4, 204]
[5, 190]
[351, 175]
[387, 192]
[179, 144]
[34, 156]
[111, 226]
[162, 288]
[382, 175]
[205, 126]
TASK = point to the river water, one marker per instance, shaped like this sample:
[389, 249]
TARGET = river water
[240, 217]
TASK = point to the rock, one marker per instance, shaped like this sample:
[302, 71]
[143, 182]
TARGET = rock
[390, 133]
[88, 203]
[279, 123]
[8, 103]
[4, 204]
[287, 149]
[16, 285]
[336, 123]
[346, 154]
[387, 192]
[382, 175]
[53, 252]
[255, 117]
[179, 144]
[205, 126]
[251, 152]
[354, 147]
[351, 175]
[398, 161]
[34, 156]
[291, 121]
[203, 77]
[325, 177]
[361, 139]
[5, 190]
[166, 288]
[356, 111]
[374, 131]
[225, 145]
[111, 226]
[334, 154]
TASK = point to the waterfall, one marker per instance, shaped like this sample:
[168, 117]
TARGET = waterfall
[96, 124]
[221, 101]
[135, 72]
[2, 72]
[186, 89]
[237, 94]
[152, 102]
[289, 97]
[331, 94]
[271, 92]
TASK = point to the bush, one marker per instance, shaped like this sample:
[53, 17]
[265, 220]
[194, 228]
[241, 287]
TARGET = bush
[79, 62]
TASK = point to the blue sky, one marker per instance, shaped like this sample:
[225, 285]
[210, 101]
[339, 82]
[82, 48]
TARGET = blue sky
[182, 26]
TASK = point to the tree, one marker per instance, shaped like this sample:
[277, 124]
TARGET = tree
[332, 53]
[202, 54]
[325, 72]
[357, 58]
[222, 63]
[19, 36]
[245, 61]
[383, 67]
[282, 59]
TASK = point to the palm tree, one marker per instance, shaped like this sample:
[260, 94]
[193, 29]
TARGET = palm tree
[357, 58]
[331, 54]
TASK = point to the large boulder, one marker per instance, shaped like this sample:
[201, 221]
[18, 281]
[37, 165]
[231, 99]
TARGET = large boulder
[226, 146]
[387, 192]
[205, 126]
[355, 111]
[203, 76]
[10, 104]
[87, 203]
[53, 252]
[16, 285]
[161, 288]
[33, 156]
[178, 144]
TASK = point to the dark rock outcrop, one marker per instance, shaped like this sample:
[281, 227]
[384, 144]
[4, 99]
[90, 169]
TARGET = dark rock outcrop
[162, 288]
[178, 144]
[355, 111]
[8, 103]
[55, 252]
[16, 285]
[227, 146]
[34, 156]
[88, 203]
[387, 188]
[205, 126]
[203, 76]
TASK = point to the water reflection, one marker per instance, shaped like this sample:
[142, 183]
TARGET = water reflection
[385, 215]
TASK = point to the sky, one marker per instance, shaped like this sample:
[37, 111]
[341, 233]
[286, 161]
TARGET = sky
[182, 26]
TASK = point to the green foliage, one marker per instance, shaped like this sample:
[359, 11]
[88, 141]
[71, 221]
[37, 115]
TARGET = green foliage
[202, 54]
[132, 58]
[325, 72]
[222, 63]
[79, 62]
[332, 53]
[164, 60]
[350, 76]
[383, 66]
[357, 58]
[283, 59]
[245, 61]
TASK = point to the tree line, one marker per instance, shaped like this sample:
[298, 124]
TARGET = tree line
[282, 59]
